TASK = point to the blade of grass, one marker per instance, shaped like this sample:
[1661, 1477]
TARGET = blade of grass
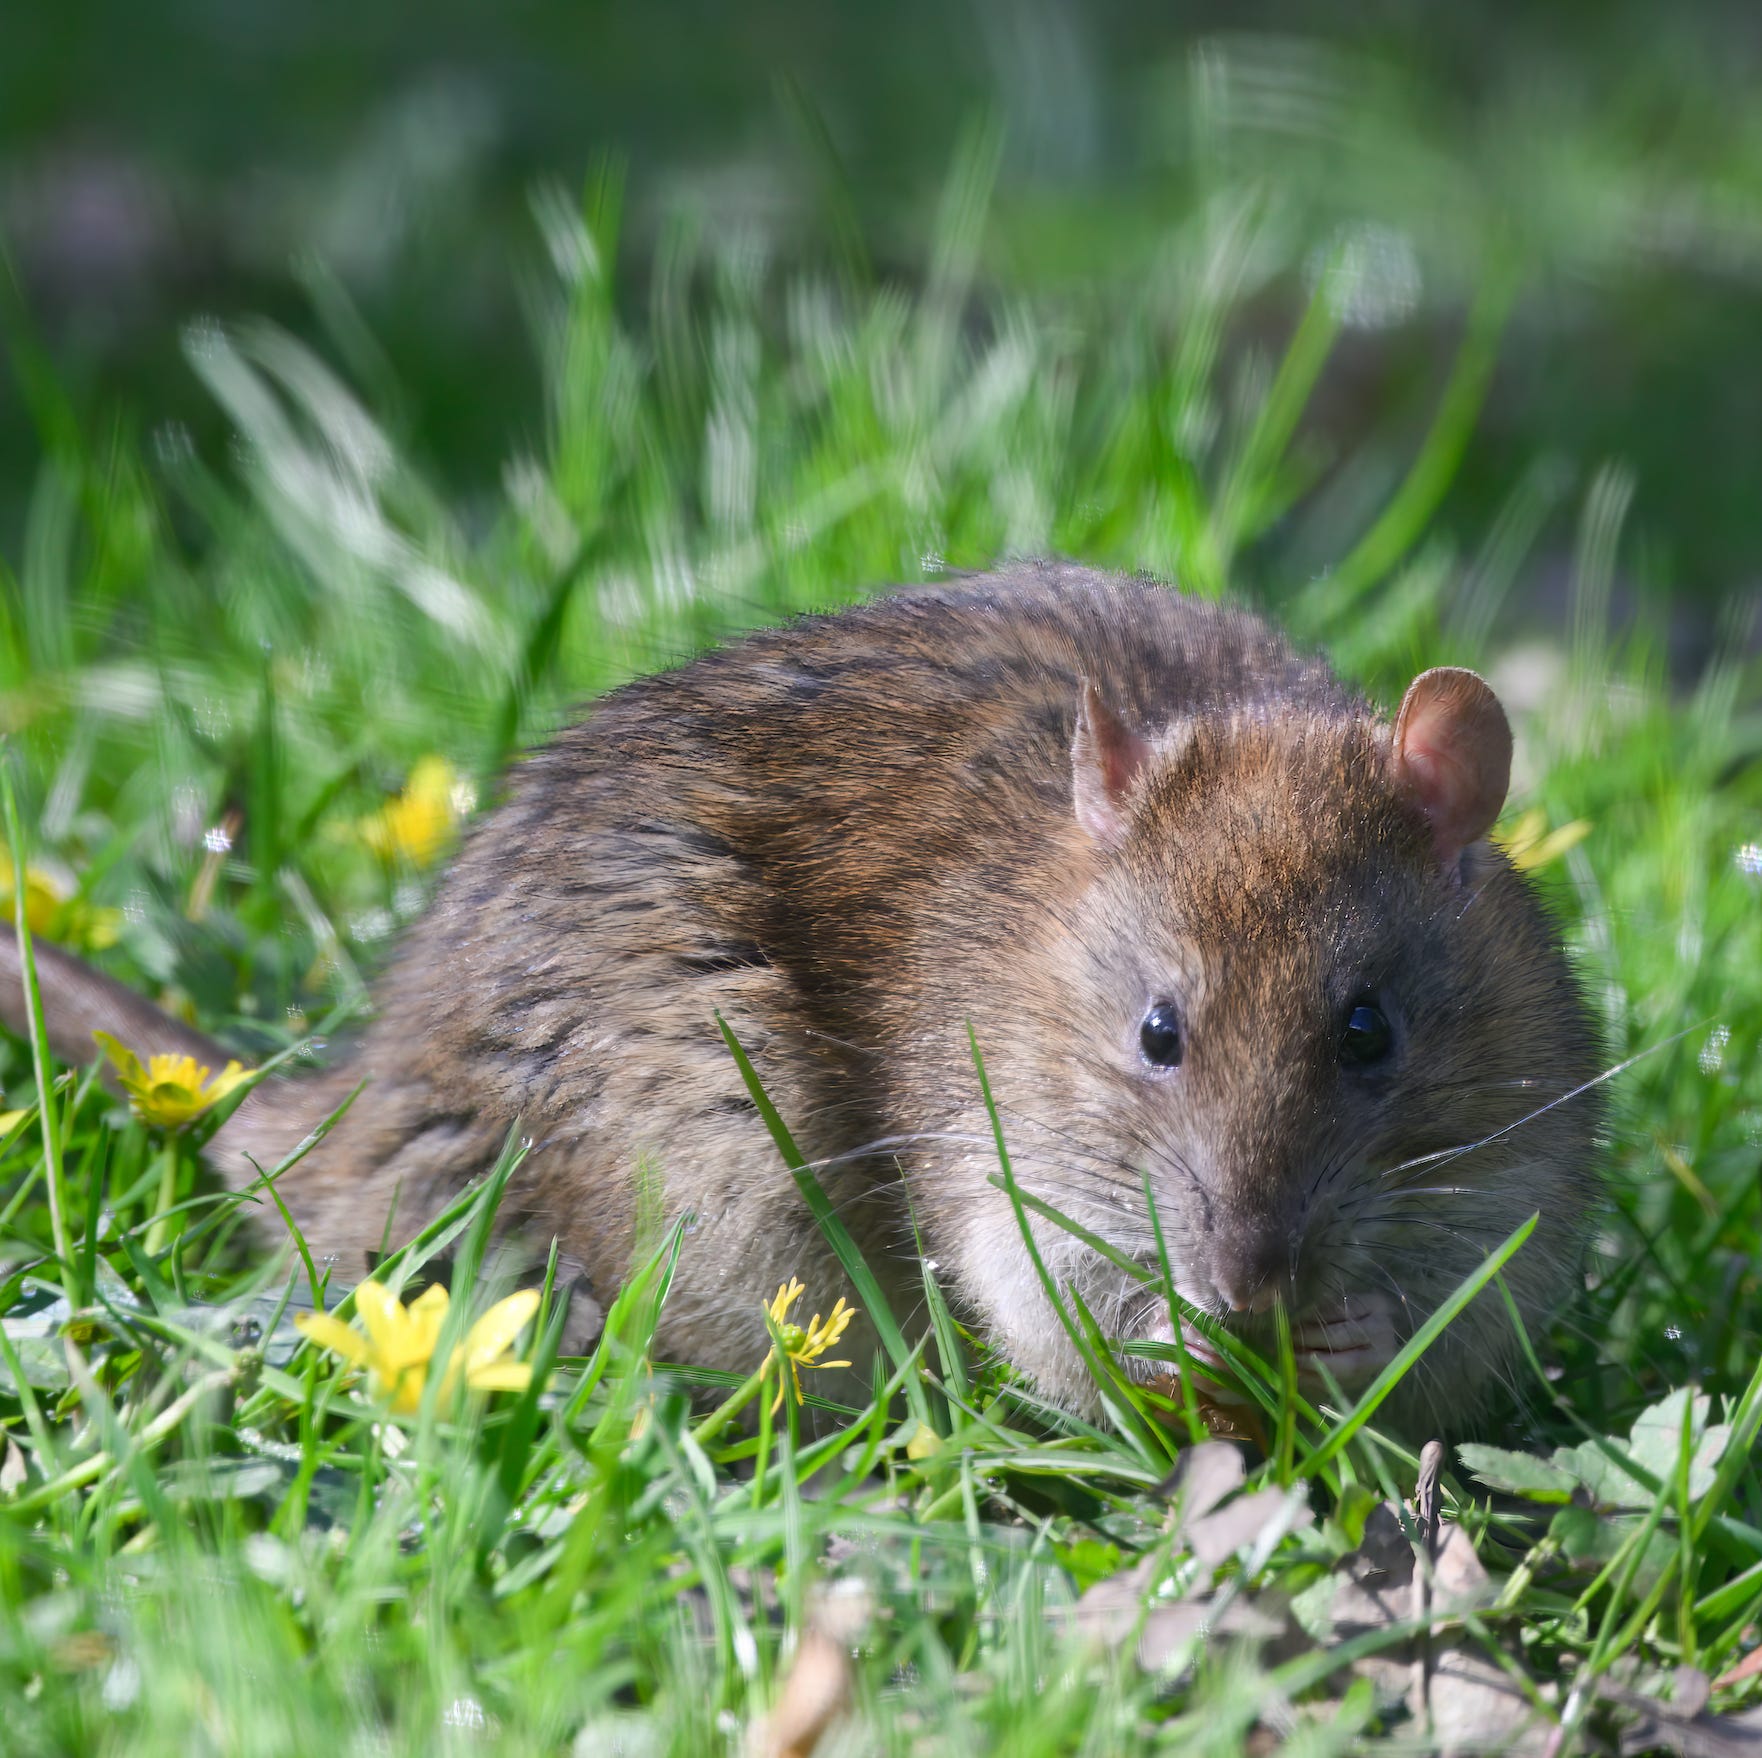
[1126, 1404]
[39, 1037]
[515, 1441]
[1410, 509]
[1746, 1424]
[628, 1333]
[1414, 1348]
[1285, 1440]
[1100, 1369]
[837, 1234]
[1246, 492]
[1255, 1374]
[1189, 1397]
[948, 1346]
[538, 654]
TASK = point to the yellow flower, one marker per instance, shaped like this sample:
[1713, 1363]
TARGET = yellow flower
[169, 1091]
[1530, 844]
[804, 1347]
[54, 912]
[9, 1120]
[419, 822]
[398, 1350]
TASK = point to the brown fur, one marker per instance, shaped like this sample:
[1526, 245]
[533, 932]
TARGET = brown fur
[855, 834]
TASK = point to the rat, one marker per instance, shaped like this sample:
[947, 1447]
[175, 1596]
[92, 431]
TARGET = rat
[1220, 930]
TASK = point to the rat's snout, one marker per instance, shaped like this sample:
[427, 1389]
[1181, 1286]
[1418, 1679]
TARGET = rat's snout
[1251, 1267]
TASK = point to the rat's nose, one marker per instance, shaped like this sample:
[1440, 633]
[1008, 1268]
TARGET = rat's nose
[1249, 1274]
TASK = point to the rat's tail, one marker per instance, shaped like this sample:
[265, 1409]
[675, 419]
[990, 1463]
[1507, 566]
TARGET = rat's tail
[78, 1001]
[400, 1159]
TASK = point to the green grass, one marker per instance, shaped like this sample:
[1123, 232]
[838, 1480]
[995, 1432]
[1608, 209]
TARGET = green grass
[209, 1541]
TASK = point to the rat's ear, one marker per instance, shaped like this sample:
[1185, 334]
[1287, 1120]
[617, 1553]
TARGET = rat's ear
[1453, 755]
[1106, 756]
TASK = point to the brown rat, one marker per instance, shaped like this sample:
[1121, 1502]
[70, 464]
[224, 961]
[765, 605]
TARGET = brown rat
[1211, 920]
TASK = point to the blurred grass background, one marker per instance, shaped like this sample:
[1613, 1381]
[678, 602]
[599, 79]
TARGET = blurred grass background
[378, 387]
[367, 182]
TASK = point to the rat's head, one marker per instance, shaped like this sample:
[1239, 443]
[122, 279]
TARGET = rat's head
[1302, 997]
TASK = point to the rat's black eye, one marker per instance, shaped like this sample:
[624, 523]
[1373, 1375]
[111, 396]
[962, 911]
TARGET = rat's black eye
[1368, 1036]
[1160, 1036]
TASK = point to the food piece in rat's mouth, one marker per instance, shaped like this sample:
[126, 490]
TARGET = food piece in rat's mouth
[1217, 925]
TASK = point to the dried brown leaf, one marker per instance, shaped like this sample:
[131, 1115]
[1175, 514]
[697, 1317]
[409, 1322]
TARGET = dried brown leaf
[1170, 1628]
[1202, 1477]
[1747, 1668]
[1109, 1610]
[1244, 1521]
[1459, 1580]
[1372, 1587]
[815, 1693]
[1683, 1725]
[1112, 1609]
[1474, 1707]
[1425, 1494]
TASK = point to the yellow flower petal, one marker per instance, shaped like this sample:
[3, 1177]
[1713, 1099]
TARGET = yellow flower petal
[388, 1330]
[405, 1389]
[100, 927]
[428, 1313]
[400, 1344]
[235, 1074]
[803, 1346]
[9, 1120]
[499, 1376]
[788, 1293]
[1552, 846]
[1530, 844]
[169, 1091]
[494, 1333]
[418, 823]
[1523, 830]
[332, 1334]
[126, 1063]
[45, 900]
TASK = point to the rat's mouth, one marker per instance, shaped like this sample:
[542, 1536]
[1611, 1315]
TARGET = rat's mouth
[1350, 1340]
[1354, 1341]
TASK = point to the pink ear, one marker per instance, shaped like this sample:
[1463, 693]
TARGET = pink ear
[1453, 755]
[1106, 756]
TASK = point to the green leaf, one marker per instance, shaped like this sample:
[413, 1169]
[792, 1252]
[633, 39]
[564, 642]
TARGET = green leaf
[1089, 1560]
[1627, 1474]
[1655, 1441]
[1591, 1540]
[1519, 1474]
[41, 1361]
[1597, 1466]
[1353, 1509]
[220, 1480]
